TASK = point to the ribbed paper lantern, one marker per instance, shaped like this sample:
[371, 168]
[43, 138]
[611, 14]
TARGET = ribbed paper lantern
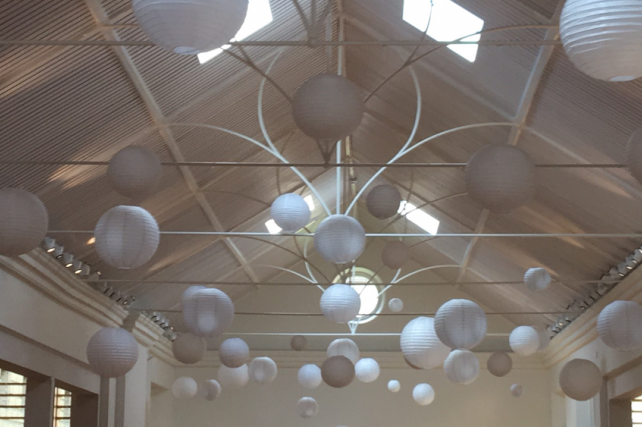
[23, 222]
[344, 347]
[500, 178]
[337, 371]
[580, 379]
[634, 155]
[126, 237]
[395, 255]
[328, 107]
[189, 27]
[263, 370]
[460, 323]
[209, 390]
[340, 303]
[340, 239]
[537, 279]
[309, 376]
[298, 343]
[516, 390]
[461, 367]
[394, 386]
[423, 394]
[620, 325]
[290, 212]
[383, 201]
[395, 305]
[307, 408]
[233, 377]
[112, 352]
[184, 388]
[524, 340]
[367, 370]
[499, 364]
[207, 311]
[420, 345]
[234, 352]
[188, 348]
[134, 171]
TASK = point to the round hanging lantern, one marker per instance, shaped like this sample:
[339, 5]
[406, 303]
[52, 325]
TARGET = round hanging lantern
[126, 237]
[619, 325]
[395, 305]
[344, 347]
[309, 376]
[500, 178]
[234, 352]
[298, 342]
[395, 255]
[420, 345]
[603, 39]
[23, 222]
[524, 340]
[460, 323]
[112, 352]
[290, 212]
[580, 379]
[233, 377]
[499, 364]
[188, 348]
[383, 201]
[634, 155]
[367, 370]
[307, 408]
[190, 27]
[184, 388]
[461, 367]
[340, 303]
[337, 371]
[537, 279]
[340, 239]
[134, 172]
[209, 390]
[394, 386]
[207, 311]
[328, 107]
[423, 394]
[516, 390]
[263, 370]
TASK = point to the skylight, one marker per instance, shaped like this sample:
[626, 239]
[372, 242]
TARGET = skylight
[275, 229]
[420, 218]
[259, 14]
[449, 22]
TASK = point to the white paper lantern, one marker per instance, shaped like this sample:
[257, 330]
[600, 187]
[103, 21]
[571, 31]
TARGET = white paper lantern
[209, 390]
[344, 347]
[298, 342]
[383, 201]
[134, 171]
[290, 212]
[126, 237]
[516, 390]
[309, 376]
[423, 394]
[112, 352]
[460, 323]
[394, 386]
[184, 388]
[620, 325]
[233, 377]
[524, 340]
[337, 371]
[580, 379]
[634, 155]
[340, 239]
[307, 408]
[234, 352]
[395, 255]
[189, 27]
[23, 222]
[328, 107]
[537, 279]
[420, 345]
[188, 348]
[367, 370]
[395, 305]
[340, 303]
[499, 364]
[263, 370]
[207, 311]
[461, 367]
[500, 178]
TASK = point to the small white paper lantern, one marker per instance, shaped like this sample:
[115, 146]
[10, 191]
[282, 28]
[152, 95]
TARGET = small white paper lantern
[516, 390]
[499, 364]
[500, 178]
[207, 311]
[188, 348]
[209, 390]
[134, 171]
[328, 107]
[337, 371]
[23, 222]
[340, 239]
[634, 155]
[460, 323]
[290, 212]
[112, 352]
[524, 340]
[423, 394]
[340, 303]
[619, 325]
[367, 370]
[344, 347]
[461, 367]
[420, 345]
[190, 27]
[394, 386]
[383, 201]
[307, 408]
[234, 352]
[395, 255]
[126, 237]
[233, 378]
[184, 388]
[537, 279]
[580, 379]
[395, 305]
[298, 343]
[263, 370]
[309, 377]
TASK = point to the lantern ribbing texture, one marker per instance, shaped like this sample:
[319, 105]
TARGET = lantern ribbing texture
[460, 323]
[580, 379]
[112, 352]
[234, 352]
[188, 348]
[537, 279]
[423, 394]
[395, 305]
[340, 303]
[209, 390]
[290, 212]
[619, 325]
[461, 367]
[23, 222]
[134, 172]
[337, 371]
[634, 155]
[395, 255]
[516, 390]
[394, 386]
[420, 345]
[263, 370]
[344, 347]
[340, 239]
[233, 377]
[298, 342]
[499, 364]
[383, 201]
[367, 370]
[184, 388]
[309, 376]
[207, 311]
[307, 408]
[524, 340]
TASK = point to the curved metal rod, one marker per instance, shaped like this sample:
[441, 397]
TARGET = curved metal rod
[305, 257]
[253, 66]
[423, 205]
[392, 282]
[421, 270]
[287, 270]
[254, 199]
[230, 132]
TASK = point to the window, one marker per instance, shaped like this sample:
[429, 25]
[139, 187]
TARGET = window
[62, 408]
[418, 217]
[13, 388]
[636, 411]
[271, 226]
[367, 285]
[448, 22]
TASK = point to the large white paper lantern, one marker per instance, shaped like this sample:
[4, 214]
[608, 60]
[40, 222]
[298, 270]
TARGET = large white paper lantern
[340, 239]
[499, 364]
[395, 255]
[344, 347]
[394, 386]
[233, 377]
[500, 178]
[134, 171]
[395, 305]
[620, 325]
[537, 279]
[234, 352]
[188, 348]
[23, 222]
[461, 367]
[184, 388]
[337, 371]
[460, 323]
[189, 27]
[209, 390]
[263, 370]
[423, 394]
[328, 107]
[126, 237]
[307, 408]
[524, 340]
[290, 212]
[112, 352]
[367, 370]
[580, 379]
[309, 376]
[383, 201]
[420, 345]
[207, 311]
[516, 390]
[340, 303]
[298, 343]
[604, 38]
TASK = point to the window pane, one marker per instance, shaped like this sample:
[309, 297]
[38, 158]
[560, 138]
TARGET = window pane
[636, 406]
[636, 417]
[62, 408]
[12, 399]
